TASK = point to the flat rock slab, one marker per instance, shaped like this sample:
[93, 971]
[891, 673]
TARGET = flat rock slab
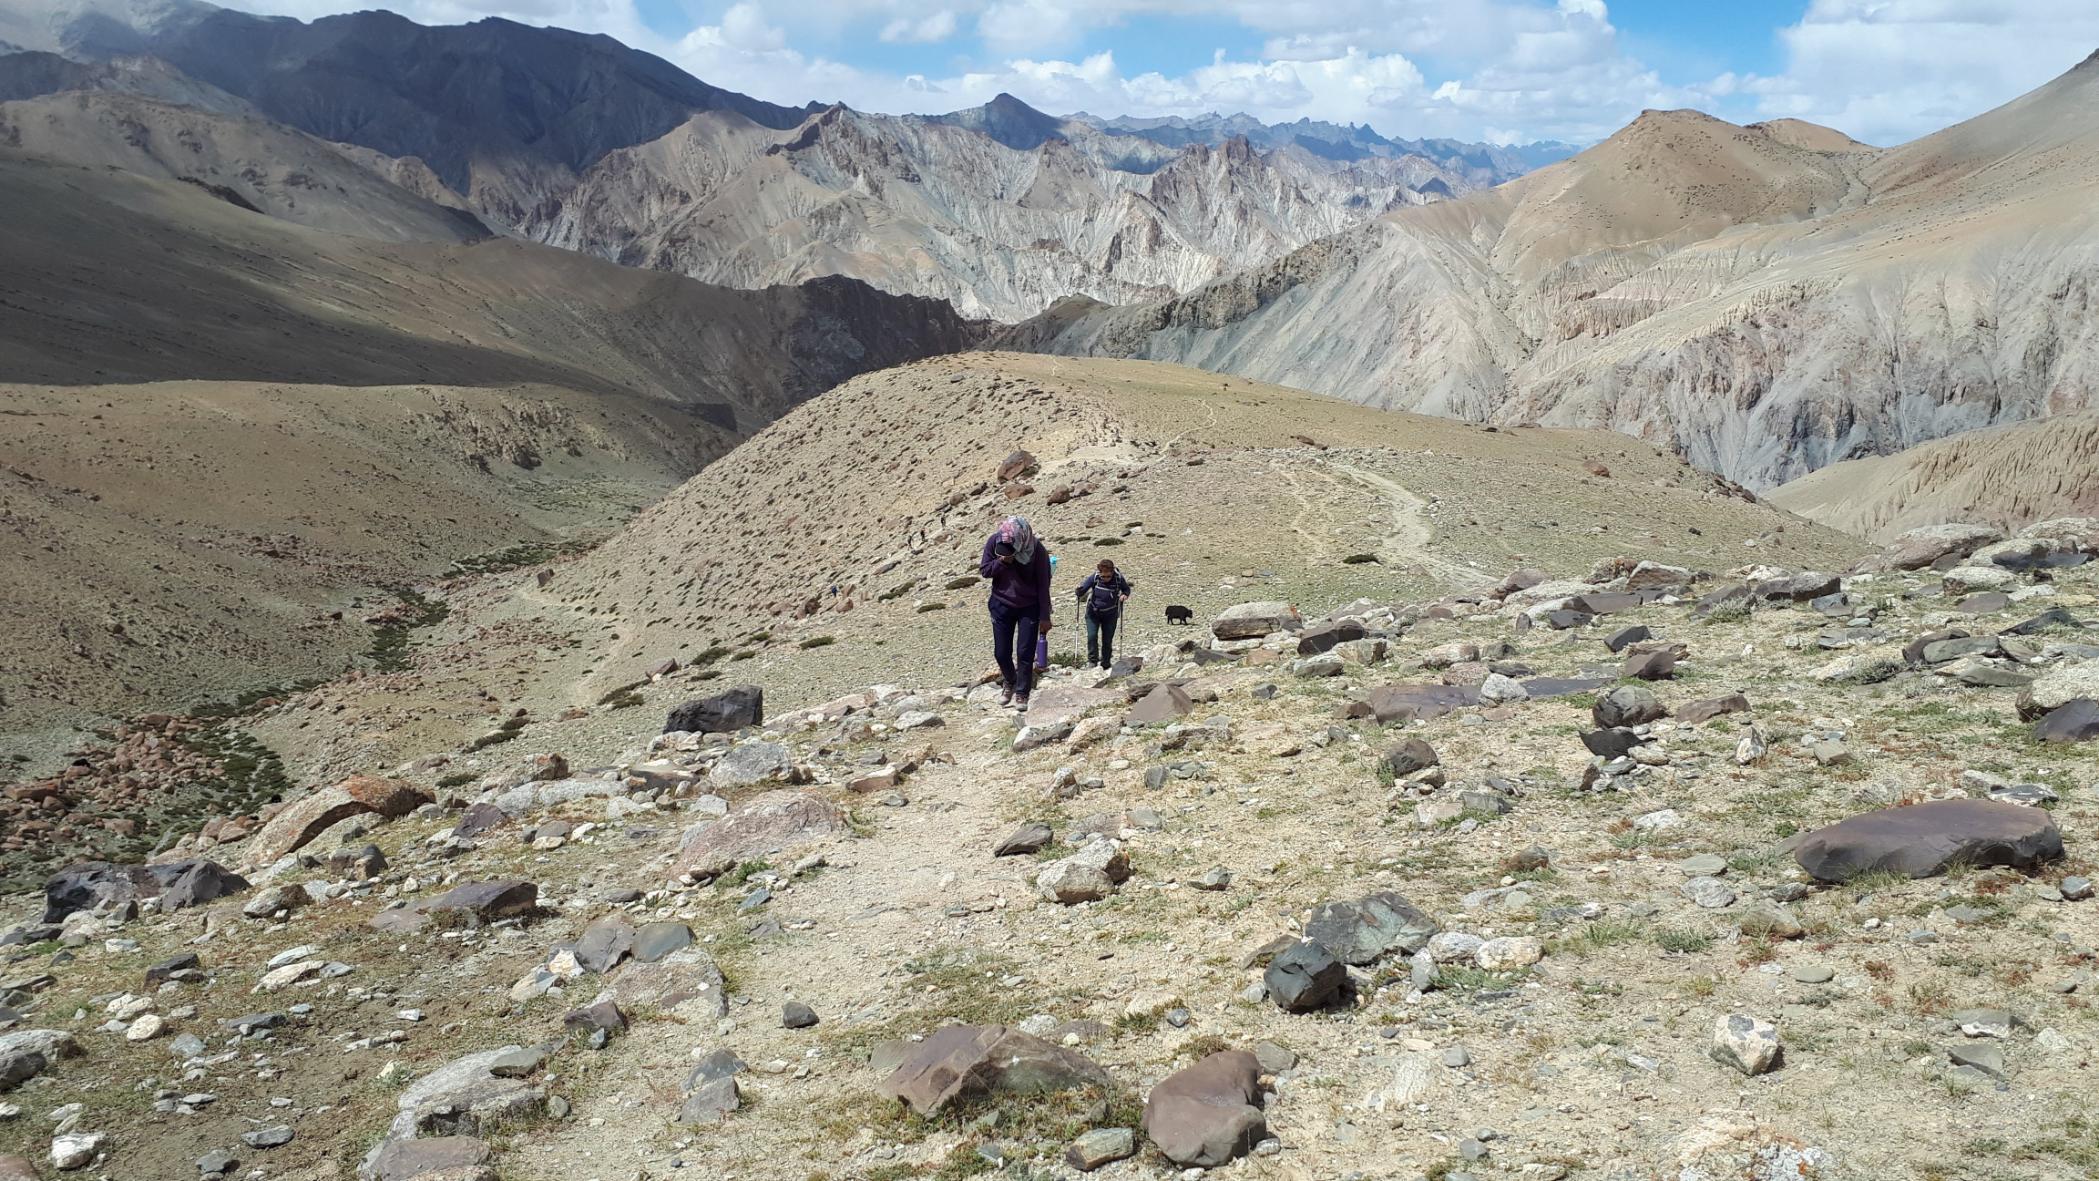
[965, 1062]
[684, 978]
[768, 823]
[1067, 703]
[1926, 839]
[2076, 720]
[467, 905]
[447, 1157]
[1250, 621]
[1206, 1114]
[1406, 703]
[1164, 704]
[1699, 712]
[456, 1098]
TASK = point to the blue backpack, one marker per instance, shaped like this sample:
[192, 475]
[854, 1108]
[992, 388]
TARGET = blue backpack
[1104, 598]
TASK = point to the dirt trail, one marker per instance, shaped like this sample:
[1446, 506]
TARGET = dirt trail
[1411, 534]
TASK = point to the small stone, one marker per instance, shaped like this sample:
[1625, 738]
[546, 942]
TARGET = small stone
[1704, 865]
[75, 1150]
[268, 1137]
[1746, 1043]
[1457, 1057]
[1099, 1147]
[2076, 889]
[796, 1015]
[1987, 1057]
[1814, 973]
[218, 1161]
[1217, 878]
[1509, 954]
[1708, 893]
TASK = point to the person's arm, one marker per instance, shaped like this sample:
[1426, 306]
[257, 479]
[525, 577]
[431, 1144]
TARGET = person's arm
[988, 564]
[1128, 588]
[1085, 584]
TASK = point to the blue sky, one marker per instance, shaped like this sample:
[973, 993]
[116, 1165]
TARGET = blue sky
[1500, 70]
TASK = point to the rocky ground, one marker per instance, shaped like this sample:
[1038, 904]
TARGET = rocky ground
[1343, 894]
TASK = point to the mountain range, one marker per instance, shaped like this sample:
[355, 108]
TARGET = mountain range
[581, 142]
[1762, 299]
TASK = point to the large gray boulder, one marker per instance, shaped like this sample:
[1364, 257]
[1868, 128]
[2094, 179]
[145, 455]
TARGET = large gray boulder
[1206, 1114]
[1926, 839]
[2073, 721]
[2059, 687]
[1923, 546]
[750, 763]
[723, 713]
[1360, 930]
[27, 1053]
[1251, 621]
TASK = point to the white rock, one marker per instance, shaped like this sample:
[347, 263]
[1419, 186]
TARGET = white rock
[1509, 953]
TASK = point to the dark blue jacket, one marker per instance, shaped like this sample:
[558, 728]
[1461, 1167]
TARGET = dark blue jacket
[1025, 588]
[1116, 583]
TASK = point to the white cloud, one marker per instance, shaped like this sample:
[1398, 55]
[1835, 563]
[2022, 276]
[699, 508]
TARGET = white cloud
[1890, 70]
[937, 27]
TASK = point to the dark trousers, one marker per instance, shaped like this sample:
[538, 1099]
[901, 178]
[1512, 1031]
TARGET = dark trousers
[1100, 637]
[1011, 625]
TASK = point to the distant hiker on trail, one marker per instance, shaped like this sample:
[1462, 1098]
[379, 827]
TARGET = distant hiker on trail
[1102, 594]
[1019, 570]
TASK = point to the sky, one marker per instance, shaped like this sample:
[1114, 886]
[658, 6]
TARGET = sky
[1503, 71]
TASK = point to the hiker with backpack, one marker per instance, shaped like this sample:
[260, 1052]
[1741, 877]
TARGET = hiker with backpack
[1102, 594]
[1019, 569]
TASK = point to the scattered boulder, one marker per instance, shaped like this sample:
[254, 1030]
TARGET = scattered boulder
[1918, 548]
[27, 1053]
[1252, 621]
[748, 764]
[201, 882]
[2058, 687]
[710, 1089]
[1206, 1114]
[724, 713]
[1322, 637]
[1359, 931]
[1028, 838]
[1101, 1146]
[1304, 977]
[1926, 839]
[300, 822]
[967, 1062]
[1406, 703]
[763, 824]
[1746, 1043]
[604, 943]
[1627, 705]
[1700, 712]
[1164, 703]
[431, 1158]
[1624, 638]
[472, 904]
[1088, 875]
[1410, 756]
[2076, 720]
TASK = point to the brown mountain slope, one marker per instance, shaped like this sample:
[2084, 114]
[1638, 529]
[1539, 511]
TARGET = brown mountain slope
[275, 170]
[1745, 296]
[2010, 476]
[223, 426]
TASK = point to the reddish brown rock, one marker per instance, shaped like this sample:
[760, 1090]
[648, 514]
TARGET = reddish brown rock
[959, 1063]
[1206, 1115]
[1926, 839]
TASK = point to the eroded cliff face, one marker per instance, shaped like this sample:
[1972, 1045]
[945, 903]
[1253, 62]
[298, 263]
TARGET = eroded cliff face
[936, 208]
[1764, 300]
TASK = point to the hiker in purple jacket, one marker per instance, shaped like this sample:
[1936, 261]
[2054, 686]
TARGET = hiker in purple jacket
[1019, 570]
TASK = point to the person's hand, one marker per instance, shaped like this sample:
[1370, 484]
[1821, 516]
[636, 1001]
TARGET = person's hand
[1046, 625]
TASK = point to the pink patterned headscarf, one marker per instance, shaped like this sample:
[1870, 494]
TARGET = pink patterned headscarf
[1016, 532]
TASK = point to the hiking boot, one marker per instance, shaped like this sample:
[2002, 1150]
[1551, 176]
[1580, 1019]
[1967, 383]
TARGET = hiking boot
[1020, 703]
[1005, 699]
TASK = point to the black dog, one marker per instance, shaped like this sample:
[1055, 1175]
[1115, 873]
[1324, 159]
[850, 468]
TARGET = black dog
[1179, 615]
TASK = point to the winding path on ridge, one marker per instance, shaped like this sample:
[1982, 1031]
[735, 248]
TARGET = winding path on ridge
[1411, 534]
